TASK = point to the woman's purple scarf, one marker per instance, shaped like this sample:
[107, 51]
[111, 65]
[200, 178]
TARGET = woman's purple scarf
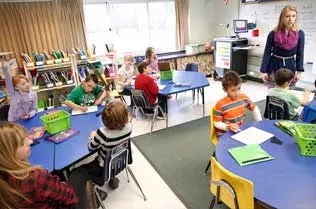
[286, 42]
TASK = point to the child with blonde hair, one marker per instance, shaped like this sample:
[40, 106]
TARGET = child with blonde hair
[23, 101]
[23, 185]
[151, 59]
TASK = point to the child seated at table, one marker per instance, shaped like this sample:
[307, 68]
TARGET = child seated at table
[151, 59]
[146, 83]
[283, 79]
[23, 185]
[23, 101]
[125, 76]
[230, 111]
[116, 130]
[87, 94]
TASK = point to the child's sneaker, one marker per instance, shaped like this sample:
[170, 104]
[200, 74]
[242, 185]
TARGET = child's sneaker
[114, 183]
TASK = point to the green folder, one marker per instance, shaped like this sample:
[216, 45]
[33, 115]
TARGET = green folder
[249, 154]
[286, 126]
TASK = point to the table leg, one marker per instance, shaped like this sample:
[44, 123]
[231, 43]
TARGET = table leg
[166, 102]
[202, 93]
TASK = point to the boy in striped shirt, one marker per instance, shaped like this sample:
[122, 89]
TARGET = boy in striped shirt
[230, 111]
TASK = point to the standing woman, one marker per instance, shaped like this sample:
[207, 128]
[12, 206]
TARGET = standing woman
[284, 48]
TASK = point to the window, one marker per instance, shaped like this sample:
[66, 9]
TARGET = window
[131, 27]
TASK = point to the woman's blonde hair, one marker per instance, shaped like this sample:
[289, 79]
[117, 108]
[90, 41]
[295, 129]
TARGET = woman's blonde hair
[12, 137]
[280, 26]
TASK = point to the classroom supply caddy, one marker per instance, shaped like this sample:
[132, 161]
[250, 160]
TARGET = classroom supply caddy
[166, 75]
[305, 137]
[56, 121]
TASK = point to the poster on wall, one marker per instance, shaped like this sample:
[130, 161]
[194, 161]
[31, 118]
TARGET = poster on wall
[223, 55]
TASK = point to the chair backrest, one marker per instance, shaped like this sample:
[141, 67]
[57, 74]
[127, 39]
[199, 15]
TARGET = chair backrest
[116, 160]
[192, 67]
[213, 135]
[229, 188]
[140, 99]
[276, 109]
[4, 112]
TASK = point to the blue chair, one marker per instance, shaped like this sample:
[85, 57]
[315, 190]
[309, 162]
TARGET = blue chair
[276, 109]
[141, 103]
[117, 160]
[193, 67]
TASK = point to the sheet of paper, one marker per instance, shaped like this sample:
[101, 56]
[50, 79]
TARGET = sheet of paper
[161, 87]
[300, 95]
[90, 109]
[252, 135]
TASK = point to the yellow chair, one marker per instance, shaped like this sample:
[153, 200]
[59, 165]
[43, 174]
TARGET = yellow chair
[213, 136]
[235, 191]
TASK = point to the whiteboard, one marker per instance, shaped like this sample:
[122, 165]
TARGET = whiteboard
[266, 15]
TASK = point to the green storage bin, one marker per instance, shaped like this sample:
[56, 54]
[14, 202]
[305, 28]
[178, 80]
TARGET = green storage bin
[166, 75]
[56, 121]
[305, 137]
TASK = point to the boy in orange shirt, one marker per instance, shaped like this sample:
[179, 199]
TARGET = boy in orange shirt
[230, 111]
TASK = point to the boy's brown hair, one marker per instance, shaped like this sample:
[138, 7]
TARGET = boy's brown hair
[92, 77]
[141, 67]
[115, 115]
[283, 75]
[231, 78]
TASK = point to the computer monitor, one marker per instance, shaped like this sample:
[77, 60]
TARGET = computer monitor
[240, 26]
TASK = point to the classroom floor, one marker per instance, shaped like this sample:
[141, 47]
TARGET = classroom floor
[181, 110]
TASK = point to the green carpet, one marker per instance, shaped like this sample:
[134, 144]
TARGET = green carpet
[180, 154]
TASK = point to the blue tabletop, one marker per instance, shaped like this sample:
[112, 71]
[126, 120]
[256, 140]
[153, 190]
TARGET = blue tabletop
[76, 147]
[288, 181]
[196, 79]
[43, 153]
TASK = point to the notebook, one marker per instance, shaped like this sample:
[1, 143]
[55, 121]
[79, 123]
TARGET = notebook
[286, 126]
[62, 136]
[90, 109]
[252, 135]
[249, 154]
[161, 87]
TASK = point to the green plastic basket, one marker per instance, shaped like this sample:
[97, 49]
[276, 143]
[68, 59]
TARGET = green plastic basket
[56, 121]
[166, 75]
[305, 137]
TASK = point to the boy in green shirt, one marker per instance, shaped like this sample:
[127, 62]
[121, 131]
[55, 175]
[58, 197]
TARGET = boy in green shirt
[87, 94]
[283, 79]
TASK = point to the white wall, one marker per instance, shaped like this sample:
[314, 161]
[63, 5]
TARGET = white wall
[201, 18]
[208, 19]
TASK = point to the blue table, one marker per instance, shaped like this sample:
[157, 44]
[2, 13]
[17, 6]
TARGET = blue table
[59, 156]
[43, 153]
[309, 112]
[287, 182]
[76, 148]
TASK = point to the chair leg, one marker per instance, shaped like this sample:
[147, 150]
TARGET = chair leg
[136, 182]
[164, 115]
[212, 203]
[132, 114]
[153, 120]
[207, 167]
[98, 196]
[127, 176]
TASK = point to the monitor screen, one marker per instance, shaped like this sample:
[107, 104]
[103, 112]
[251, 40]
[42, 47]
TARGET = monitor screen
[240, 26]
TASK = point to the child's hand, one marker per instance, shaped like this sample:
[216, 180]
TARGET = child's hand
[25, 117]
[4, 64]
[307, 92]
[233, 127]
[97, 102]
[83, 108]
[92, 134]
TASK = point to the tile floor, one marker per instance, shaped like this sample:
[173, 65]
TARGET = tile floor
[159, 195]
